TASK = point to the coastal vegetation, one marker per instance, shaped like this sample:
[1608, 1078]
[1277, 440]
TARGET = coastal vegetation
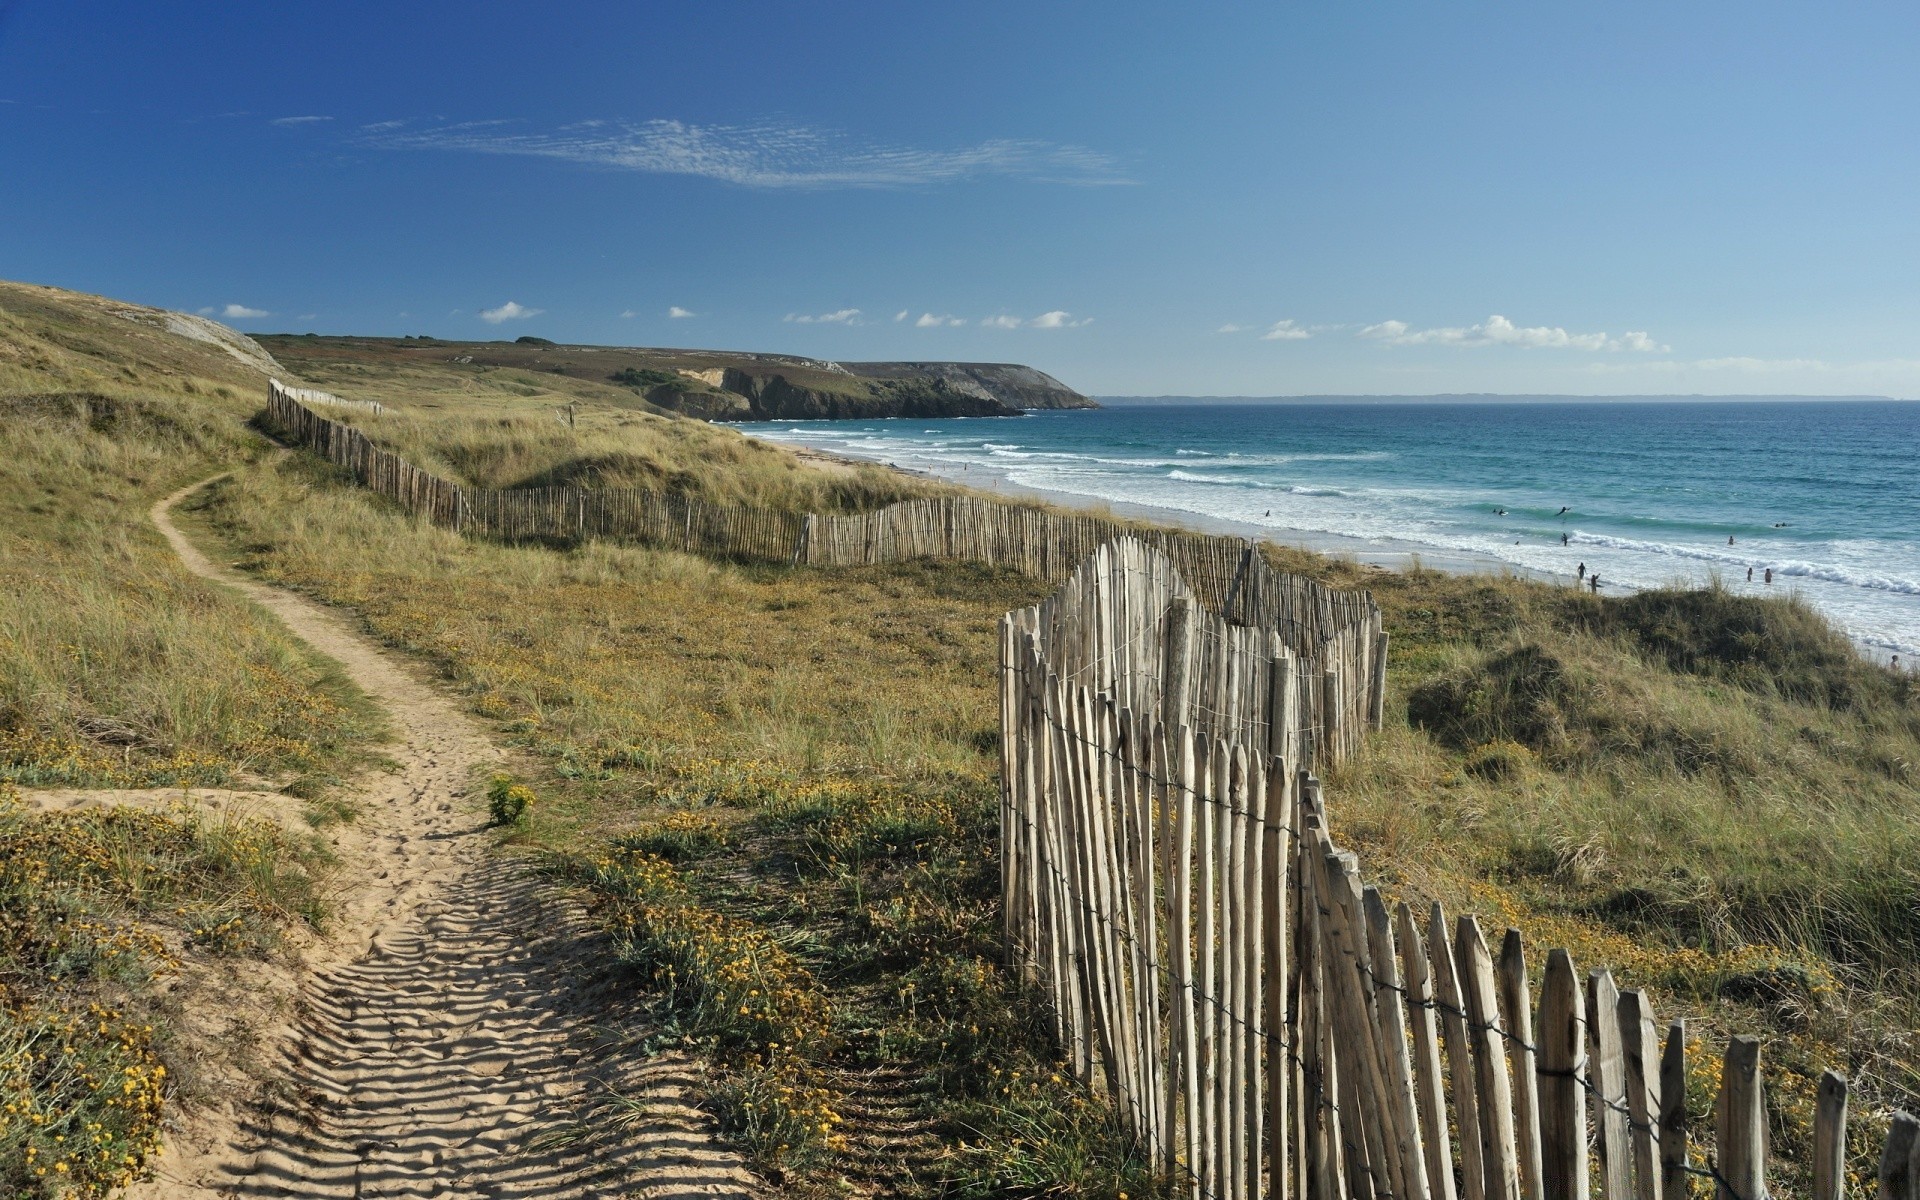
[775, 790]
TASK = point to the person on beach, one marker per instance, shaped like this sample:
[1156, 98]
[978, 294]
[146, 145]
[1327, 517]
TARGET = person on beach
[1565, 538]
[1769, 574]
[1595, 581]
[1729, 539]
[1583, 572]
[1749, 574]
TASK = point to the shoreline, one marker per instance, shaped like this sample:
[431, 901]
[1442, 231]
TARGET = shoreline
[1380, 554]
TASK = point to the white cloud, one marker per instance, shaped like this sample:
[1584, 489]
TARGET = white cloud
[844, 316]
[628, 315]
[300, 120]
[1640, 343]
[508, 312]
[308, 316]
[240, 312]
[383, 126]
[901, 315]
[1230, 327]
[1497, 330]
[929, 321]
[768, 155]
[1285, 331]
[1003, 321]
[1058, 319]
[680, 314]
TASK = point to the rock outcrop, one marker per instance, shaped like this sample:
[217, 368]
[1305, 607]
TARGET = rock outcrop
[1011, 384]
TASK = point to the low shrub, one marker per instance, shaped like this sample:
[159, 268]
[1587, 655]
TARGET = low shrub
[507, 801]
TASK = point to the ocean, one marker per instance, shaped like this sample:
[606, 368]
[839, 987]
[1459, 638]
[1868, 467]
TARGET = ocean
[1826, 494]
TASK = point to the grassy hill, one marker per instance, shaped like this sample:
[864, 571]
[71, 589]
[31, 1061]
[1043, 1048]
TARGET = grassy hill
[777, 788]
[717, 385]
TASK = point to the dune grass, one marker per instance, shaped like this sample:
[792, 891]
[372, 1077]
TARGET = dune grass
[617, 448]
[117, 667]
[1707, 793]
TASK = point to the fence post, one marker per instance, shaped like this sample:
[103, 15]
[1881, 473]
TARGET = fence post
[1742, 1131]
[1641, 1048]
[1673, 1113]
[1900, 1160]
[1830, 1137]
[1608, 1083]
[1490, 1068]
[1516, 1008]
[1562, 1070]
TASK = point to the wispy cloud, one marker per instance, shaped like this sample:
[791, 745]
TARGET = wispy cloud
[1499, 331]
[237, 312]
[930, 321]
[843, 316]
[901, 315]
[1285, 331]
[1003, 321]
[383, 126]
[300, 120]
[1230, 327]
[680, 314]
[509, 311]
[628, 315]
[763, 155]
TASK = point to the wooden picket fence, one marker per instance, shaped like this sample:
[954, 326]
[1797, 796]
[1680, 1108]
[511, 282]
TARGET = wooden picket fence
[1266, 1023]
[1331, 626]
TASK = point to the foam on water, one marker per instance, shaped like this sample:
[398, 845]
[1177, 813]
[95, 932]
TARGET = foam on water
[1821, 493]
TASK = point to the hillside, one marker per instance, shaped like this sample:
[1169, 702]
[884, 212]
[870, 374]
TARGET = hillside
[714, 385]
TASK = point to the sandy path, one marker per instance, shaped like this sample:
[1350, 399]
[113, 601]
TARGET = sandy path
[450, 1037]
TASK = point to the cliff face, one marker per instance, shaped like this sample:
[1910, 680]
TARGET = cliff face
[1009, 383]
[739, 395]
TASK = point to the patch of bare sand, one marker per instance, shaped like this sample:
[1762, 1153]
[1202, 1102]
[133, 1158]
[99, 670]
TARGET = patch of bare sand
[232, 803]
[821, 460]
[453, 1034]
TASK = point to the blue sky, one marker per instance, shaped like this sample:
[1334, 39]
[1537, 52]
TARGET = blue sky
[1140, 198]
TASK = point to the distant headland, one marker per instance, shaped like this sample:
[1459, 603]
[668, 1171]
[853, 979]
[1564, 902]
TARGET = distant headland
[732, 385]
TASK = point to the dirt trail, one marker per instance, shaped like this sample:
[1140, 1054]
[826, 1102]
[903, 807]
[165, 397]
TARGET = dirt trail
[448, 1038]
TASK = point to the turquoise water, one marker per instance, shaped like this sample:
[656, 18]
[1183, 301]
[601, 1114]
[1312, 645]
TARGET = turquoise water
[1825, 494]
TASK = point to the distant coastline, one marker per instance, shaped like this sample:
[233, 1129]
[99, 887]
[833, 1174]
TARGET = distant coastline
[1502, 398]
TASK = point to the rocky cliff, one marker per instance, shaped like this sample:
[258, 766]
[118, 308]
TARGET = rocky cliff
[1009, 383]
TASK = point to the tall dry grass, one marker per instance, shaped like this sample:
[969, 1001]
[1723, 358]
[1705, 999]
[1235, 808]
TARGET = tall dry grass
[117, 667]
[617, 448]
